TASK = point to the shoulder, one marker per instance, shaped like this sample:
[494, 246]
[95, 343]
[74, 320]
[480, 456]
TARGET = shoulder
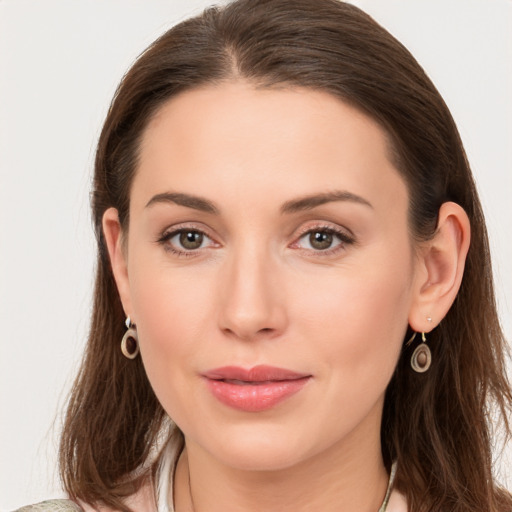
[142, 501]
[52, 506]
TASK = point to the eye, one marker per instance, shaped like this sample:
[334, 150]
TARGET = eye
[323, 239]
[185, 241]
[189, 240]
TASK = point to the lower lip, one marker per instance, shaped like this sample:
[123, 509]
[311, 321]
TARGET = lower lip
[255, 397]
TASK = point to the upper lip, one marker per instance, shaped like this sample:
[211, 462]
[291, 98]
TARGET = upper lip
[258, 373]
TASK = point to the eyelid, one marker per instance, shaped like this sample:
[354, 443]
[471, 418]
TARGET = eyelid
[195, 225]
[307, 227]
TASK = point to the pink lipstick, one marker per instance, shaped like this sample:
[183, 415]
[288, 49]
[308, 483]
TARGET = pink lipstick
[254, 390]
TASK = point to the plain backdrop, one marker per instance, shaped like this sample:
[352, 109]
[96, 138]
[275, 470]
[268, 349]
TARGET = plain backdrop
[60, 62]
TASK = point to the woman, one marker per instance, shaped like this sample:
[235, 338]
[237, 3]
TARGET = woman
[293, 267]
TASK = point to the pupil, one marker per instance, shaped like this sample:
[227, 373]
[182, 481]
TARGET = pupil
[320, 240]
[191, 239]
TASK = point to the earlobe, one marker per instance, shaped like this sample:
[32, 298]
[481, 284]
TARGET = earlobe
[441, 264]
[114, 239]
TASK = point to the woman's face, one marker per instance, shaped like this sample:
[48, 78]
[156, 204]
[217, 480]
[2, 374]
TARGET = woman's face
[268, 227]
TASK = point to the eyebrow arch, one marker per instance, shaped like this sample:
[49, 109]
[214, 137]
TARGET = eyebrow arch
[190, 201]
[309, 202]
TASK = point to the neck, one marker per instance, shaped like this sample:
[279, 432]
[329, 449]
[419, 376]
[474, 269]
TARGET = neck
[349, 477]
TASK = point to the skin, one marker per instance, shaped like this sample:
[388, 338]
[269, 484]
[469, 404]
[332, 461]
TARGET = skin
[259, 291]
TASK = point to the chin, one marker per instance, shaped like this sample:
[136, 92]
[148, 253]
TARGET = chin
[258, 448]
[260, 458]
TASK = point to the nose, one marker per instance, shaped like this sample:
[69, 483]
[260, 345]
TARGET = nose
[252, 301]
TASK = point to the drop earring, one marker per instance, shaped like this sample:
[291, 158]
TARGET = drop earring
[130, 341]
[421, 358]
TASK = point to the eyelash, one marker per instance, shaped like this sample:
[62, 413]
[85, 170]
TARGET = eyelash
[343, 237]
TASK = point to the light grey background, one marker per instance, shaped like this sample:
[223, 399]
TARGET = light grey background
[60, 62]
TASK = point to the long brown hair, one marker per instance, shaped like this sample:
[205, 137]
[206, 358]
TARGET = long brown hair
[437, 424]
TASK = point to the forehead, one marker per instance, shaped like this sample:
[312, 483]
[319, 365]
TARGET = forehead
[244, 108]
[234, 138]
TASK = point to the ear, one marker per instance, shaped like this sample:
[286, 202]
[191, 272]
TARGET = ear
[440, 268]
[114, 238]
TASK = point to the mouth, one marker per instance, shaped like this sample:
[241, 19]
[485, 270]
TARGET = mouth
[254, 390]
[247, 383]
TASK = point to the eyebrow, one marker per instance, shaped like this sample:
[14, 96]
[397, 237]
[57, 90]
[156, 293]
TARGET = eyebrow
[292, 206]
[190, 201]
[310, 202]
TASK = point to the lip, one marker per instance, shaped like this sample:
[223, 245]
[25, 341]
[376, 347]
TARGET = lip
[257, 389]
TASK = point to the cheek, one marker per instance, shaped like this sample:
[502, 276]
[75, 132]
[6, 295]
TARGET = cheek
[354, 338]
[170, 303]
[359, 318]
[171, 316]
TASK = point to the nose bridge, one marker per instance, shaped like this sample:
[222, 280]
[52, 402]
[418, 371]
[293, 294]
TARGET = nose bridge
[251, 302]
